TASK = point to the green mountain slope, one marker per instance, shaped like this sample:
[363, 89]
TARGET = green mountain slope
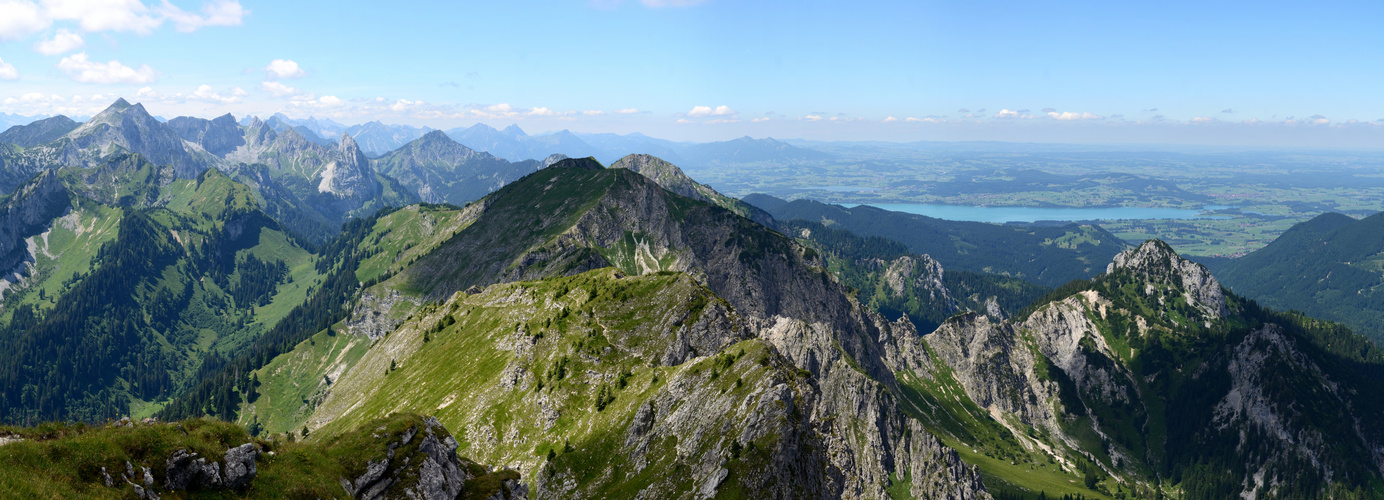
[1048, 256]
[126, 280]
[740, 287]
[1330, 267]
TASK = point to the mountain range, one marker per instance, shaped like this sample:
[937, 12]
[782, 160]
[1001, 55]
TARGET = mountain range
[304, 320]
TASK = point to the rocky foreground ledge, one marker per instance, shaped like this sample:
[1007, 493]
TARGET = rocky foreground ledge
[401, 456]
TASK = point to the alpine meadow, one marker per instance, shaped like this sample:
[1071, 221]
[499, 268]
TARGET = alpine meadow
[691, 249]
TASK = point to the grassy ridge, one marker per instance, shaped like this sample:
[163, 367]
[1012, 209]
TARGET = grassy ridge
[62, 461]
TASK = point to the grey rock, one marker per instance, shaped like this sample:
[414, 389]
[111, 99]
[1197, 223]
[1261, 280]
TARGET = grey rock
[374, 472]
[1159, 263]
[240, 466]
[186, 470]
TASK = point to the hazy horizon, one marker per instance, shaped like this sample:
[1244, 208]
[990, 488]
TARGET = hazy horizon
[1178, 73]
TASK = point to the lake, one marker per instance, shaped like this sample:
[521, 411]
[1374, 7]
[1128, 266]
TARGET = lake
[1033, 214]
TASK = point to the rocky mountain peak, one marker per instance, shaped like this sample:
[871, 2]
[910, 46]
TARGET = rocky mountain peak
[350, 176]
[1158, 262]
[587, 163]
[435, 136]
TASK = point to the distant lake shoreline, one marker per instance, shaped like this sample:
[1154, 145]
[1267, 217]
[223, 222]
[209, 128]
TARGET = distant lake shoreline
[1002, 215]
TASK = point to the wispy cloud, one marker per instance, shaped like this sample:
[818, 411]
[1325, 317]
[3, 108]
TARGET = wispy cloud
[216, 13]
[710, 111]
[627, 111]
[7, 71]
[279, 89]
[1069, 115]
[63, 41]
[1228, 111]
[205, 93]
[82, 69]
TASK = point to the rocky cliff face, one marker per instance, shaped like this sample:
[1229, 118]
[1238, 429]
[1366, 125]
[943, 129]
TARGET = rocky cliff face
[792, 408]
[218, 137]
[30, 209]
[350, 175]
[1158, 264]
[1121, 361]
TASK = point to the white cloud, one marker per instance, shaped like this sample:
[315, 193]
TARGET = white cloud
[20, 18]
[890, 120]
[593, 112]
[278, 89]
[147, 92]
[329, 100]
[540, 111]
[1068, 115]
[1006, 113]
[812, 118]
[402, 105]
[684, 121]
[83, 70]
[761, 119]
[627, 111]
[104, 15]
[1203, 119]
[7, 71]
[206, 94]
[215, 13]
[710, 111]
[281, 69]
[63, 41]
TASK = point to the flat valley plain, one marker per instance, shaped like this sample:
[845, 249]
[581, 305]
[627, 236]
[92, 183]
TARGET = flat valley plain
[1248, 197]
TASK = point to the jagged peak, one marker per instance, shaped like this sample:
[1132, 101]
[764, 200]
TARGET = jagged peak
[1157, 261]
[347, 142]
[587, 163]
[119, 104]
[514, 130]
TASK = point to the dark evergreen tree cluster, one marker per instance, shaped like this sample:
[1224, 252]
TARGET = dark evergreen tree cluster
[218, 392]
[63, 366]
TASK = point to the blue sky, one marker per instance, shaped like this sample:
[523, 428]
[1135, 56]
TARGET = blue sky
[1234, 73]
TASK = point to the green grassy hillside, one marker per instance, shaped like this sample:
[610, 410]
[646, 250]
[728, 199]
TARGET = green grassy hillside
[1330, 267]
